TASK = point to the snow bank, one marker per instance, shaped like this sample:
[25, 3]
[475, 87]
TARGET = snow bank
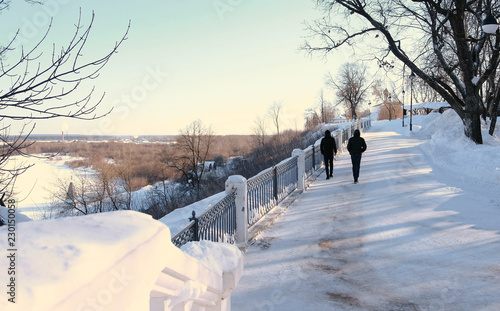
[72, 263]
[450, 150]
[4, 215]
[108, 261]
[220, 257]
[428, 105]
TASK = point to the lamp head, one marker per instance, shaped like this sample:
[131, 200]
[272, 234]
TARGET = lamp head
[490, 23]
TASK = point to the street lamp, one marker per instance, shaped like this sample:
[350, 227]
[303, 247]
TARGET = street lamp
[490, 23]
[403, 113]
[390, 108]
[412, 77]
[370, 111]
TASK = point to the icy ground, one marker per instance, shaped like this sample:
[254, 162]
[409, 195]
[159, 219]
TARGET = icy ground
[420, 232]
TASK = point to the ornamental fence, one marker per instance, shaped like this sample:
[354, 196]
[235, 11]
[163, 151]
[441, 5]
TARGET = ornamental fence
[248, 201]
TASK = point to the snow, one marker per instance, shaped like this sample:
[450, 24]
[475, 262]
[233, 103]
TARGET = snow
[220, 257]
[452, 153]
[107, 261]
[60, 258]
[178, 219]
[420, 231]
[4, 215]
[427, 105]
[33, 188]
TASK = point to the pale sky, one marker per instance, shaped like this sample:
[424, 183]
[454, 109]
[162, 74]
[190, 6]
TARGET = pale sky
[221, 61]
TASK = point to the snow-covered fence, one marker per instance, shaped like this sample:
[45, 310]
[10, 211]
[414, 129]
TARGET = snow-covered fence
[122, 260]
[201, 277]
[364, 124]
[218, 224]
[313, 158]
[252, 199]
[270, 187]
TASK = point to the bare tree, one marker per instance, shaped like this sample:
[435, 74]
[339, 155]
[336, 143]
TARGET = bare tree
[322, 112]
[163, 199]
[454, 56]
[422, 93]
[107, 186]
[260, 131]
[77, 197]
[274, 113]
[43, 86]
[11, 145]
[351, 86]
[493, 100]
[192, 151]
[125, 175]
[90, 193]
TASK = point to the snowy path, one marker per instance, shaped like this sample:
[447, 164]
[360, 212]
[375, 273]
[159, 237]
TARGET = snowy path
[403, 239]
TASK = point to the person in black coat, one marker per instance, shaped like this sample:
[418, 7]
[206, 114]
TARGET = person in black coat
[356, 146]
[328, 149]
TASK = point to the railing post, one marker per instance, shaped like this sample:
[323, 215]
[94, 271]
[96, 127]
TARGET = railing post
[338, 141]
[301, 168]
[238, 184]
[196, 229]
[314, 158]
[275, 183]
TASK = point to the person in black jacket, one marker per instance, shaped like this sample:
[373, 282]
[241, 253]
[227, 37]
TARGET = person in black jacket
[328, 148]
[356, 146]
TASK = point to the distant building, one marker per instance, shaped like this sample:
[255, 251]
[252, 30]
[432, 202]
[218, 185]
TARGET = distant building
[339, 119]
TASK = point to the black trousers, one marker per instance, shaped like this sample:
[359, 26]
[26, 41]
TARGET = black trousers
[356, 163]
[328, 165]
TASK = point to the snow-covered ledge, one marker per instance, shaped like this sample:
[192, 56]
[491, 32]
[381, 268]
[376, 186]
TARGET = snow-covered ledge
[116, 261]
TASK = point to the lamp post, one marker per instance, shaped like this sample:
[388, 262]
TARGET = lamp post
[412, 77]
[403, 112]
[391, 108]
[370, 111]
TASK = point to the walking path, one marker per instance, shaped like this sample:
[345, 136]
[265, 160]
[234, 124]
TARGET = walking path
[392, 242]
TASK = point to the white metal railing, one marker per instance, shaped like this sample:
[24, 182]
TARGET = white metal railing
[258, 195]
[187, 284]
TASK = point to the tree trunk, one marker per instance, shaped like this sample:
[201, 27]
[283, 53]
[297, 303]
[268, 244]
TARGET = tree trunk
[472, 126]
[494, 115]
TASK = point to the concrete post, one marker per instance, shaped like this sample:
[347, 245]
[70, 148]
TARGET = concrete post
[301, 164]
[338, 141]
[238, 184]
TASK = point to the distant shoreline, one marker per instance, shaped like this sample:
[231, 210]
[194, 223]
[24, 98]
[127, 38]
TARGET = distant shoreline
[83, 137]
[104, 138]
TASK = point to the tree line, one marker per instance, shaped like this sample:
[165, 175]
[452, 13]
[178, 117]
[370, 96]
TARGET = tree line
[442, 44]
[175, 175]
